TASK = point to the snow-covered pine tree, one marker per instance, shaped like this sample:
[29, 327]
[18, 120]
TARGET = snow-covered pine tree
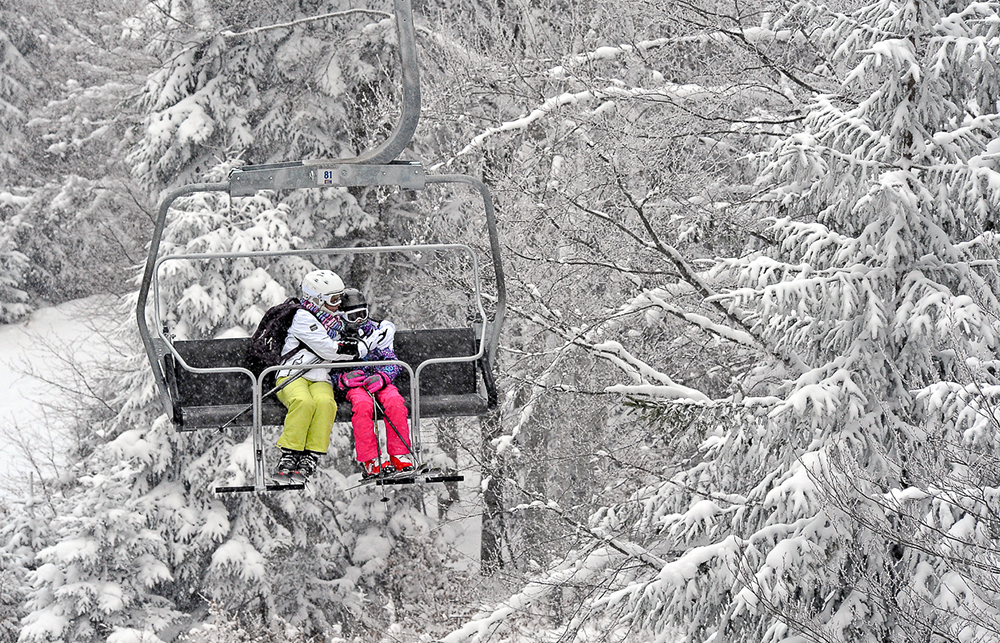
[10, 115]
[235, 81]
[14, 69]
[26, 530]
[13, 92]
[880, 289]
[610, 147]
[852, 495]
[69, 205]
[13, 265]
[99, 577]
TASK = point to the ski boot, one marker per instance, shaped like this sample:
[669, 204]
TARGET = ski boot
[306, 466]
[373, 468]
[401, 463]
[287, 465]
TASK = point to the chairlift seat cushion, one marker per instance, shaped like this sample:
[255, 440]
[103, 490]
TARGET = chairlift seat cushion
[208, 400]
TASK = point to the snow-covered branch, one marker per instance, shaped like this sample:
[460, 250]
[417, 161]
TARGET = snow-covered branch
[577, 572]
[301, 21]
[694, 278]
[606, 96]
[639, 371]
[629, 549]
[666, 388]
[754, 35]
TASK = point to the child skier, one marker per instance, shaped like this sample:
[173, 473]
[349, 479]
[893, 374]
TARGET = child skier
[314, 335]
[375, 342]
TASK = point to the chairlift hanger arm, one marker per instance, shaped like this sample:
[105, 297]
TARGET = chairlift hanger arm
[409, 115]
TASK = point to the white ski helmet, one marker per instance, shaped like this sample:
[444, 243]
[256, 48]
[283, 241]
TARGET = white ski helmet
[323, 288]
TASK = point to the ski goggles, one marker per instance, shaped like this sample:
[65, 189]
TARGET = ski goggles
[331, 301]
[356, 316]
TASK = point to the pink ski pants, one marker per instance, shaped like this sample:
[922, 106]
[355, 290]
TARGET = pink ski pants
[364, 427]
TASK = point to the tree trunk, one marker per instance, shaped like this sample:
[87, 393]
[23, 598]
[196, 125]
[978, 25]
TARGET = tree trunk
[447, 432]
[492, 538]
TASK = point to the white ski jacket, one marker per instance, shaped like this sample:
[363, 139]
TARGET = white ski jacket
[309, 334]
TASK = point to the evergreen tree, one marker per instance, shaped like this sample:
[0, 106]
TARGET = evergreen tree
[10, 89]
[13, 265]
[14, 69]
[851, 494]
[67, 203]
[236, 81]
[27, 530]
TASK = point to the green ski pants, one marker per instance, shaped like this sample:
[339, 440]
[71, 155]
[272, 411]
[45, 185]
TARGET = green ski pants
[311, 412]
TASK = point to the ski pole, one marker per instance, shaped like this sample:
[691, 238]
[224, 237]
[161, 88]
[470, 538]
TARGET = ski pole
[378, 448]
[385, 417]
[274, 390]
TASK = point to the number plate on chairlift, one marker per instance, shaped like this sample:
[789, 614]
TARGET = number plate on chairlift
[326, 177]
[411, 175]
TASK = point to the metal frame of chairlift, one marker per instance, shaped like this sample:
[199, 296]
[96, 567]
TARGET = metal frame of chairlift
[377, 167]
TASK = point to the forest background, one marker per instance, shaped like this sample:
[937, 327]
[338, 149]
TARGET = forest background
[749, 372]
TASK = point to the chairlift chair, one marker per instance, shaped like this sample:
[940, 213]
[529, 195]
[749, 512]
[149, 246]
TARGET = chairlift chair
[204, 383]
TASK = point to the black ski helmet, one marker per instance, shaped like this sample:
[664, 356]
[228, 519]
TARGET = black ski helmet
[353, 307]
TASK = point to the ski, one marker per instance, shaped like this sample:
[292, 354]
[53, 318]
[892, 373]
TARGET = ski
[396, 477]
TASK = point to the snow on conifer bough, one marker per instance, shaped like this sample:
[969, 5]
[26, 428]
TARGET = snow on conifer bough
[207, 383]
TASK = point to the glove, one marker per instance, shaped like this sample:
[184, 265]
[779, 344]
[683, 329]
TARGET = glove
[350, 379]
[348, 346]
[375, 382]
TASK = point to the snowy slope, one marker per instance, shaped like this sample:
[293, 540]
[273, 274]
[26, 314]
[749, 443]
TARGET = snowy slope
[36, 358]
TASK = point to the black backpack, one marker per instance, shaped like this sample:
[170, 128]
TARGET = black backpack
[264, 348]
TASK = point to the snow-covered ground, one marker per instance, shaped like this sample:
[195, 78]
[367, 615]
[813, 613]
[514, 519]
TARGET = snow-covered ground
[41, 360]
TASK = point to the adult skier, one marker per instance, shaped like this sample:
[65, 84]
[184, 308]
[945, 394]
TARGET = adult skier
[314, 335]
[362, 386]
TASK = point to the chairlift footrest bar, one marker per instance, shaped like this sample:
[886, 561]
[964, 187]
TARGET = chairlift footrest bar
[394, 479]
[413, 477]
[445, 478]
[271, 487]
